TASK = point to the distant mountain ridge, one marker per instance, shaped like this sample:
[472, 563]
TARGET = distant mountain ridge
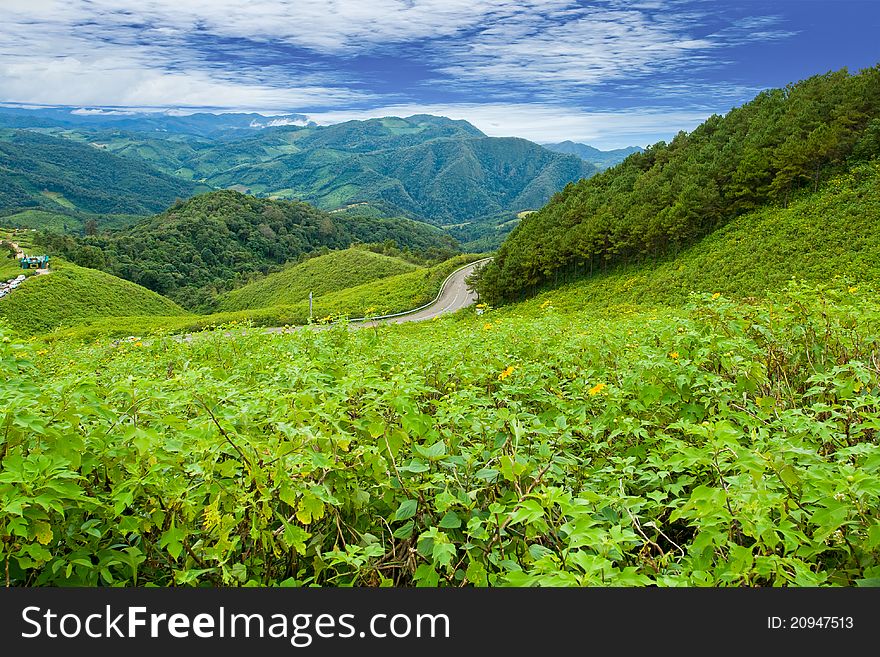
[424, 167]
[202, 124]
[602, 159]
[43, 172]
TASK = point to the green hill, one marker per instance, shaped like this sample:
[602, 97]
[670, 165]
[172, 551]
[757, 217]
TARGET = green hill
[657, 202]
[60, 175]
[833, 234]
[71, 295]
[328, 273]
[215, 242]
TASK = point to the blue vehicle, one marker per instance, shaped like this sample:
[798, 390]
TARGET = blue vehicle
[35, 262]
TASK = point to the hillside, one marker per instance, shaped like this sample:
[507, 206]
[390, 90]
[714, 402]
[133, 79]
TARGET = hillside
[201, 124]
[439, 171]
[659, 201]
[70, 295]
[328, 273]
[602, 159]
[61, 176]
[830, 237]
[217, 241]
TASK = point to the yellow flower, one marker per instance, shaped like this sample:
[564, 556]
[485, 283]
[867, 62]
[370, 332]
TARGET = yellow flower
[487, 326]
[481, 305]
[596, 389]
[138, 344]
[369, 310]
[506, 372]
[716, 295]
[673, 355]
[545, 304]
[854, 289]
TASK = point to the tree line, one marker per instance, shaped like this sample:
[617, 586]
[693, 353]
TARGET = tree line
[653, 204]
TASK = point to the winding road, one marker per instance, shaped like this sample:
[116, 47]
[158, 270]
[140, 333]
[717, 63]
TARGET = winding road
[453, 296]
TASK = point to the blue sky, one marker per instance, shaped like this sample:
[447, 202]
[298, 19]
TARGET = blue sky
[606, 72]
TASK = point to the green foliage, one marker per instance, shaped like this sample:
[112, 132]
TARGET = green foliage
[833, 233]
[71, 295]
[656, 202]
[384, 296]
[328, 273]
[215, 242]
[42, 172]
[726, 444]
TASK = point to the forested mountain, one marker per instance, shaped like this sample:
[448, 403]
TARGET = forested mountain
[766, 151]
[39, 171]
[424, 167]
[442, 181]
[215, 241]
[602, 159]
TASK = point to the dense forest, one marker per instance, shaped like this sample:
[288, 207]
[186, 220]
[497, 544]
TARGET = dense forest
[39, 171]
[656, 202]
[217, 241]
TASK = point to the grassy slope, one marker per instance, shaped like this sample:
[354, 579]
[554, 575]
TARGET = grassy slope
[386, 295]
[321, 275]
[835, 232]
[71, 295]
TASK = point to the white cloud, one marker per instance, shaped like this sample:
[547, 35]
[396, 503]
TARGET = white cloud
[85, 111]
[275, 123]
[547, 123]
[166, 53]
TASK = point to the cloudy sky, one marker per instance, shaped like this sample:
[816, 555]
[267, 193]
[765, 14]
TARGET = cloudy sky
[606, 72]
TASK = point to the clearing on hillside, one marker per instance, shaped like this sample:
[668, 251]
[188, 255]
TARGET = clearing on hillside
[327, 273]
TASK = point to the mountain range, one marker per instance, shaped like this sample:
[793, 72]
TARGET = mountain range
[433, 169]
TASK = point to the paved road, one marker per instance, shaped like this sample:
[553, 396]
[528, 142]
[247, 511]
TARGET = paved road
[454, 296]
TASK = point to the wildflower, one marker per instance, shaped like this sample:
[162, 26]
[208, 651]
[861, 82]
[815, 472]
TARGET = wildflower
[545, 304]
[854, 289]
[370, 310]
[673, 355]
[506, 372]
[716, 295]
[138, 344]
[481, 305]
[487, 326]
[42, 352]
[596, 389]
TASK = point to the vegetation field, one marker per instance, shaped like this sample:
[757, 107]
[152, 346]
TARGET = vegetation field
[725, 443]
[672, 377]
